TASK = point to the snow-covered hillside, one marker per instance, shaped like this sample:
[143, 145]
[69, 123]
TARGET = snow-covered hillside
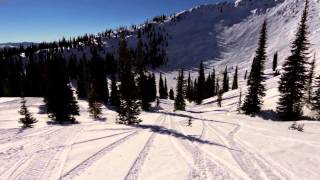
[227, 33]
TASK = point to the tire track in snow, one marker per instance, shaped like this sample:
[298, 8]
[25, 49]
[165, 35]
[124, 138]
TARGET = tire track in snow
[22, 154]
[205, 168]
[35, 166]
[77, 170]
[135, 169]
[247, 161]
[16, 136]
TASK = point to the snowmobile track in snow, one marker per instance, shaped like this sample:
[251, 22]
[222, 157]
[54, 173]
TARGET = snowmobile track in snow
[77, 170]
[253, 166]
[34, 166]
[135, 169]
[205, 168]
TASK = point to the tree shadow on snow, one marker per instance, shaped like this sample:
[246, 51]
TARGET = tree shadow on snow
[268, 115]
[273, 116]
[176, 134]
[42, 109]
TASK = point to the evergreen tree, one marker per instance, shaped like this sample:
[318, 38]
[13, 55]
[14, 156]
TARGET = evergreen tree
[82, 79]
[144, 91]
[213, 78]
[235, 79]
[161, 88]
[129, 106]
[188, 91]
[153, 87]
[99, 77]
[239, 102]
[292, 81]
[179, 102]
[217, 86]
[95, 107]
[171, 94]
[225, 82]
[310, 80]
[60, 101]
[165, 88]
[195, 85]
[114, 95]
[201, 85]
[256, 88]
[140, 55]
[316, 97]
[27, 120]
[275, 61]
[209, 87]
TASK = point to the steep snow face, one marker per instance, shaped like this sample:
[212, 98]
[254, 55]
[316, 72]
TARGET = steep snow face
[227, 33]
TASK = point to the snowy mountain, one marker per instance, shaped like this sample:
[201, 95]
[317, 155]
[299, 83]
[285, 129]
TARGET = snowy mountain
[227, 33]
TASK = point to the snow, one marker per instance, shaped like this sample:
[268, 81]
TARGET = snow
[220, 144]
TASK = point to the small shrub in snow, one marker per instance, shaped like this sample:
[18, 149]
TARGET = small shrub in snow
[296, 126]
[189, 122]
[27, 120]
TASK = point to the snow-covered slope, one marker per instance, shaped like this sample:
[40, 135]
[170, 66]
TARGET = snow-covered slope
[228, 32]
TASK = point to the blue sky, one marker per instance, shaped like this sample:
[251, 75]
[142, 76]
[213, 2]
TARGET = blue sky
[47, 20]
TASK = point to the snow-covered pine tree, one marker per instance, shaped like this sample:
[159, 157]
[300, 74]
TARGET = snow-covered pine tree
[275, 61]
[316, 97]
[293, 78]
[256, 87]
[201, 85]
[309, 85]
[95, 107]
[235, 79]
[129, 105]
[27, 120]
[179, 102]
[225, 82]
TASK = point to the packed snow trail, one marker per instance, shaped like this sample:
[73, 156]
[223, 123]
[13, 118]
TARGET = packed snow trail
[216, 146]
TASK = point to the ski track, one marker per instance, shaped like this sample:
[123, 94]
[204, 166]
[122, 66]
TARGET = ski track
[80, 168]
[41, 155]
[205, 168]
[21, 154]
[253, 166]
[16, 136]
[134, 171]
